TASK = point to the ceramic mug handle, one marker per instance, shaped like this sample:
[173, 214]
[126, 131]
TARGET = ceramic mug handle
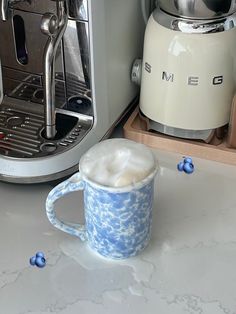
[74, 183]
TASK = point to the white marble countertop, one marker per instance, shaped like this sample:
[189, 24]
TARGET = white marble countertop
[189, 266]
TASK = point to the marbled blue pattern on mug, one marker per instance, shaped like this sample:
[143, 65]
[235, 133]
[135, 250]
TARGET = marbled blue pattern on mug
[117, 224]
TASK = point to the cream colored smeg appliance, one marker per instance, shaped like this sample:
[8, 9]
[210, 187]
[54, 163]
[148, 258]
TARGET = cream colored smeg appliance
[64, 80]
[188, 67]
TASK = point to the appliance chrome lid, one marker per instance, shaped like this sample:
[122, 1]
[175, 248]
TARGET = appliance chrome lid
[199, 9]
[194, 26]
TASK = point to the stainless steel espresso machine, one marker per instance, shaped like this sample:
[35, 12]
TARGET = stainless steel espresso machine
[65, 80]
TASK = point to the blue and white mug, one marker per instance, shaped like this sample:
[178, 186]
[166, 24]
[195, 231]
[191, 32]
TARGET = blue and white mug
[117, 219]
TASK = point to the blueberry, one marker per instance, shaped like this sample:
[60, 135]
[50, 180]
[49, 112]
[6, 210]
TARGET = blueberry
[188, 160]
[40, 262]
[39, 254]
[180, 166]
[32, 260]
[188, 168]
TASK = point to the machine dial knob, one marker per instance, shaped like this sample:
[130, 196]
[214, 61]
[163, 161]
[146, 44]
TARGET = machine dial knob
[49, 24]
[136, 71]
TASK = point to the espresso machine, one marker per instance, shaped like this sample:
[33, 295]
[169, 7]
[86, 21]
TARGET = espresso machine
[188, 69]
[65, 68]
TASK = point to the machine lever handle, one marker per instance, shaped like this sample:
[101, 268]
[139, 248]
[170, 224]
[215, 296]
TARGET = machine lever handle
[54, 27]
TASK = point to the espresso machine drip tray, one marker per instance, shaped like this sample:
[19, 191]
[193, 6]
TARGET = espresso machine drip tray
[22, 133]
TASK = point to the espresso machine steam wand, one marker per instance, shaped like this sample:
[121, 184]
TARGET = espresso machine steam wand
[54, 26]
[4, 9]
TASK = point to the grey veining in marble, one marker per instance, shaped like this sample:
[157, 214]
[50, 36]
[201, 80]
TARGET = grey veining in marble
[189, 266]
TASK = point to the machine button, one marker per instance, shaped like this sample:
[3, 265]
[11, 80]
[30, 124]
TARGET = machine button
[78, 128]
[75, 133]
[71, 137]
[2, 135]
[67, 140]
[63, 144]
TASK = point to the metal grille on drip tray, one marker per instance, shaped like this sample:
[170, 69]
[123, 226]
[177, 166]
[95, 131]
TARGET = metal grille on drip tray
[21, 133]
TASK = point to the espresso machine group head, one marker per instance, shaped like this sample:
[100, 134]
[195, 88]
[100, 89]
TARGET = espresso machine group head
[64, 81]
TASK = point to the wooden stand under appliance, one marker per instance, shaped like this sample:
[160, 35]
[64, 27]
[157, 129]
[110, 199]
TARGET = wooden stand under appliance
[136, 129]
